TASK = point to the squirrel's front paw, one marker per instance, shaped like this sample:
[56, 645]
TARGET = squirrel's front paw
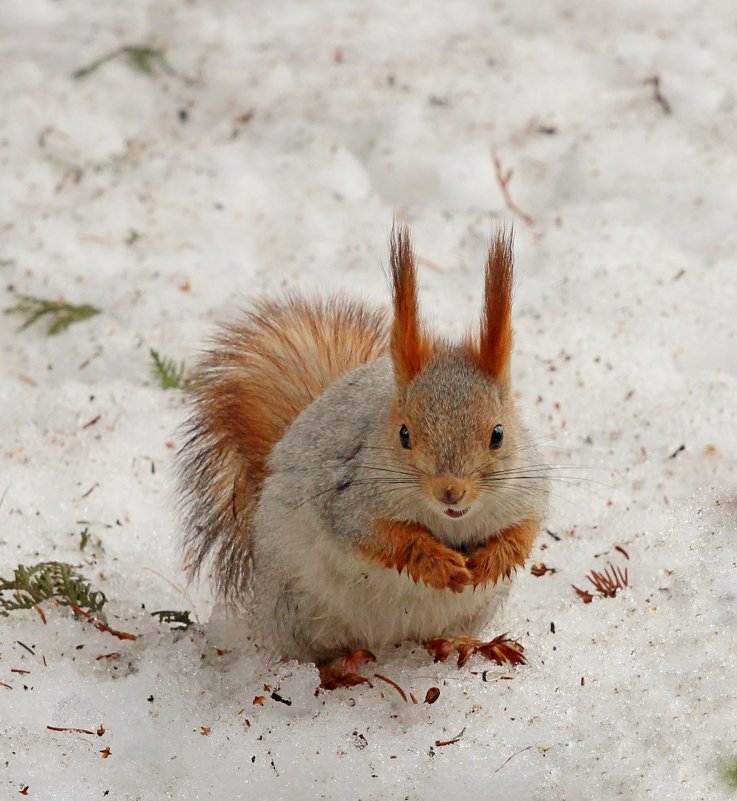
[502, 554]
[488, 564]
[438, 567]
[408, 547]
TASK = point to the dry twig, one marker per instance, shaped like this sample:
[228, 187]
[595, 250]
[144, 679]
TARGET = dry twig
[70, 729]
[658, 96]
[527, 748]
[100, 626]
[503, 179]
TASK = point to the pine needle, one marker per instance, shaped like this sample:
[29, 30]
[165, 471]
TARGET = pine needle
[31, 586]
[169, 374]
[60, 315]
[142, 58]
[84, 538]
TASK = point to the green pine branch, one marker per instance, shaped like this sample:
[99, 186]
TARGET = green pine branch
[31, 586]
[729, 772]
[57, 313]
[168, 373]
[181, 620]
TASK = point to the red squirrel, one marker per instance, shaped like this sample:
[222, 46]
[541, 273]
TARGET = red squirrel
[357, 481]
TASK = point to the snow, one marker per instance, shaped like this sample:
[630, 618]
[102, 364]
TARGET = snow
[275, 157]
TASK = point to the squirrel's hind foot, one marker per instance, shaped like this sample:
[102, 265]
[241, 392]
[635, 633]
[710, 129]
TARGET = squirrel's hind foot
[343, 670]
[501, 649]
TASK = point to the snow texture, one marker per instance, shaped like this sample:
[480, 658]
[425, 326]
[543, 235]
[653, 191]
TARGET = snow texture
[270, 153]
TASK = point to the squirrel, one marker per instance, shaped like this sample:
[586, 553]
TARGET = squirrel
[357, 481]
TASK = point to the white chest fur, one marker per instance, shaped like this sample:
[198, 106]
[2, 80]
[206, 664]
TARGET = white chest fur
[340, 601]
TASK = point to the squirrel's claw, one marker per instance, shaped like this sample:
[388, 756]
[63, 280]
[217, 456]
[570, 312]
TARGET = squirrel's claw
[500, 650]
[442, 571]
[343, 670]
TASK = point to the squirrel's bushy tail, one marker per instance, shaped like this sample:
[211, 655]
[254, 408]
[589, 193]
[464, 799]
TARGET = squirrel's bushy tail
[260, 373]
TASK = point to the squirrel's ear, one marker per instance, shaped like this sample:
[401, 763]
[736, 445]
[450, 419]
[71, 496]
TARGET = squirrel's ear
[411, 347]
[495, 339]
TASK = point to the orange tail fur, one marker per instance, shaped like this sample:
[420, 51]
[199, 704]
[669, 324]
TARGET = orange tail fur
[259, 375]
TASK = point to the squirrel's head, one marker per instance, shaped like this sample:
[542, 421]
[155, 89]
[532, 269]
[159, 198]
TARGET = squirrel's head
[453, 421]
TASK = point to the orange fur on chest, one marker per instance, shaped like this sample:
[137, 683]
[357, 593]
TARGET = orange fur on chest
[411, 548]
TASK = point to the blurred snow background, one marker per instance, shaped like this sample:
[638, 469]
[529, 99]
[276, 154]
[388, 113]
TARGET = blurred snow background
[270, 148]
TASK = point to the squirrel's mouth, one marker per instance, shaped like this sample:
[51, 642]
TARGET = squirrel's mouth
[456, 513]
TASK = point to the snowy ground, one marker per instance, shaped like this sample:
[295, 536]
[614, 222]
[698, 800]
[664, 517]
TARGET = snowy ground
[275, 156]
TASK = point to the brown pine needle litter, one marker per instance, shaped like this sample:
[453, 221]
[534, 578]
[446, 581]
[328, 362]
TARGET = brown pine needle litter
[393, 684]
[442, 743]
[606, 583]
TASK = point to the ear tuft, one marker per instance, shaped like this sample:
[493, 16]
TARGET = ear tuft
[494, 347]
[411, 347]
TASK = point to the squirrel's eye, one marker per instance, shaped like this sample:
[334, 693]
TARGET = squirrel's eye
[404, 437]
[497, 437]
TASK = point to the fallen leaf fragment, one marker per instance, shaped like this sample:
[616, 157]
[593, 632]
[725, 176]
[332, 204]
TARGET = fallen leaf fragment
[584, 595]
[259, 700]
[106, 752]
[205, 730]
[432, 695]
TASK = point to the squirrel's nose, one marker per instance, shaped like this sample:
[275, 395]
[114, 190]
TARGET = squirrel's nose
[450, 493]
